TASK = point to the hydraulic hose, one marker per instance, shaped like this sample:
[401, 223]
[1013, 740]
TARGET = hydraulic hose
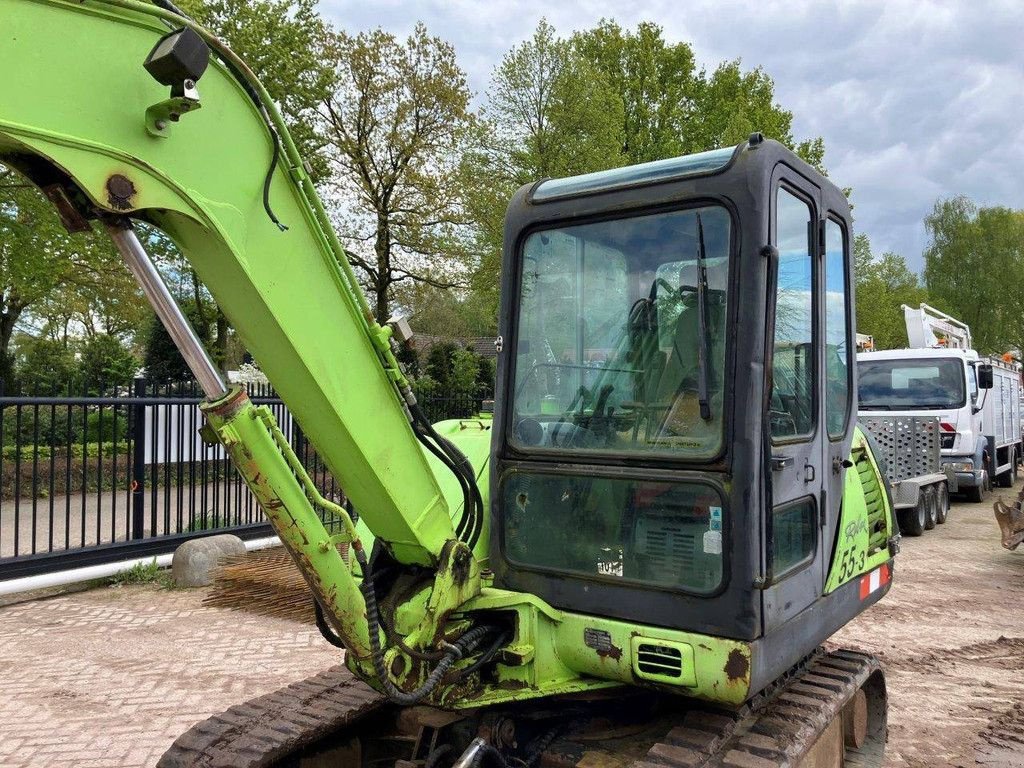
[465, 644]
[458, 463]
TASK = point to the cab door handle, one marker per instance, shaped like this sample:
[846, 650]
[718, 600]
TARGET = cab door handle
[779, 463]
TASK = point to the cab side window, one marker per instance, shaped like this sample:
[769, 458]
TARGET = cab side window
[792, 399]
[837, 332]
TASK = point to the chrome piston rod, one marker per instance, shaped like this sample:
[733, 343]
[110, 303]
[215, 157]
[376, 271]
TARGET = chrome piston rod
[167, 309]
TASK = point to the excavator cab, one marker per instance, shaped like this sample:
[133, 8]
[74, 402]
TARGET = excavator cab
[675, 397]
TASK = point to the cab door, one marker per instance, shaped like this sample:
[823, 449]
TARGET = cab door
[838, 371]
[798, 442]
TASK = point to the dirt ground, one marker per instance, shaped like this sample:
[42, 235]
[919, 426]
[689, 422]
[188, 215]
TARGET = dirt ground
[951, 636]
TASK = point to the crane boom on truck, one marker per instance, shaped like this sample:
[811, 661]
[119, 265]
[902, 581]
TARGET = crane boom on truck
[928, 327]
[636, 560]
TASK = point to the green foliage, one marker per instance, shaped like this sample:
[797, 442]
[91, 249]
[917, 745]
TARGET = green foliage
[447, 313]
[142, 573]
[441, 363]
[100, 427]
[425, 386]
[397, 125]
[552, 112]
[46, 366]
[974, 269]
[883, 285]
[50, 274]
[161, 360]
[486, 375]
[30, 450]
[656, 82]
[452, 371]
[465, 371]
[44, 422]
[105, 362]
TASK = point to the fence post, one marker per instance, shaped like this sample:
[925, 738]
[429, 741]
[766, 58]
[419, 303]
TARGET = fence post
[138, 461]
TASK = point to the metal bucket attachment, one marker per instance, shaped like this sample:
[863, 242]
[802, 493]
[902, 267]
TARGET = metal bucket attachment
[1011, 521]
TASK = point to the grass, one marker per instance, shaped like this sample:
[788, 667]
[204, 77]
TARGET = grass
[143, 573]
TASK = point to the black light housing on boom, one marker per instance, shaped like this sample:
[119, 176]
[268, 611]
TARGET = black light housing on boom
[180, 56]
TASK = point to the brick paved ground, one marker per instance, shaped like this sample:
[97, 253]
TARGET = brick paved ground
[111, 676]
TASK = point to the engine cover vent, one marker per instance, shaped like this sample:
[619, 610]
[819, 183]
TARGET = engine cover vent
[664, 661]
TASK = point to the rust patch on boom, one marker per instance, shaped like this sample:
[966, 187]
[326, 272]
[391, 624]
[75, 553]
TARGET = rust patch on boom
[120, 192]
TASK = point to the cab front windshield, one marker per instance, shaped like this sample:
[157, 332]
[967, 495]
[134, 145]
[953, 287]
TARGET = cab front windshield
[924, 384]
[621, 343]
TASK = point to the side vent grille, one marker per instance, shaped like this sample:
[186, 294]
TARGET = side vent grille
[659, 660]
[874, 500]
[663, 661]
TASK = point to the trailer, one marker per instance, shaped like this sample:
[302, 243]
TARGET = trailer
[908, 447]
[977, 400]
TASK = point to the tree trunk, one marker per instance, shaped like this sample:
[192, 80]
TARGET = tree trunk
[382, 285]
[8, 319]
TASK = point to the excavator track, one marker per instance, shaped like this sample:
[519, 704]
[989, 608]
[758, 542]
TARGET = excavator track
[779, 729]
[266, 730]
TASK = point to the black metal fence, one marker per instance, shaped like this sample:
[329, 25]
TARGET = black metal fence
[103, 476]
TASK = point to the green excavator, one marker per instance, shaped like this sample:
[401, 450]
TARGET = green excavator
[635, 560]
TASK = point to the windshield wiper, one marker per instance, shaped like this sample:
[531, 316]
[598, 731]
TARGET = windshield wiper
[702, 318]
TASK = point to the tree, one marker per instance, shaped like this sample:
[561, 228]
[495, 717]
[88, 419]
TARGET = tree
[672, 109]
[549, 112]
[883, 286]
[656, 82]
[285, 43]
[447, 313]
[45, 366]
[974, 268]
[396, 126]
[105, 362]
[162, 361]
[39, 259]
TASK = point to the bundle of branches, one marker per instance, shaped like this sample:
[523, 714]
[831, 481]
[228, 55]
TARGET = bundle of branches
[266, 582]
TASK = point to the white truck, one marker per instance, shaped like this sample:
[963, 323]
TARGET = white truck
[977, 400]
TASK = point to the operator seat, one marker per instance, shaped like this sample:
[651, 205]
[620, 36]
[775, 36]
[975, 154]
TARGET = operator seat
[676, 393]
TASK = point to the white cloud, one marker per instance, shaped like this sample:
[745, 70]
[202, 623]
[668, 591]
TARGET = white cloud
[915, 100]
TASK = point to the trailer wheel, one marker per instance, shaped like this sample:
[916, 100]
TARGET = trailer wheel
[1014, 469]
[931, 507]
[942, 502]
[913, 520]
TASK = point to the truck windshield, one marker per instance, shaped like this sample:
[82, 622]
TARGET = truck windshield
[897, 385]
[612, 319]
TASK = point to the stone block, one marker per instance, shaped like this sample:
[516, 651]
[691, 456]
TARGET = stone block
[194, 561]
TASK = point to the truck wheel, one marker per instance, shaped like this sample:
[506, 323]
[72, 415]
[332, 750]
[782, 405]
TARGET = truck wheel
[1006, 479]
[931, 508]
[977, 493]
[1014, 469]
[942, 502]
[913, 520]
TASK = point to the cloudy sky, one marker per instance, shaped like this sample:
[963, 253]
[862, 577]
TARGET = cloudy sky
[915, 99]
